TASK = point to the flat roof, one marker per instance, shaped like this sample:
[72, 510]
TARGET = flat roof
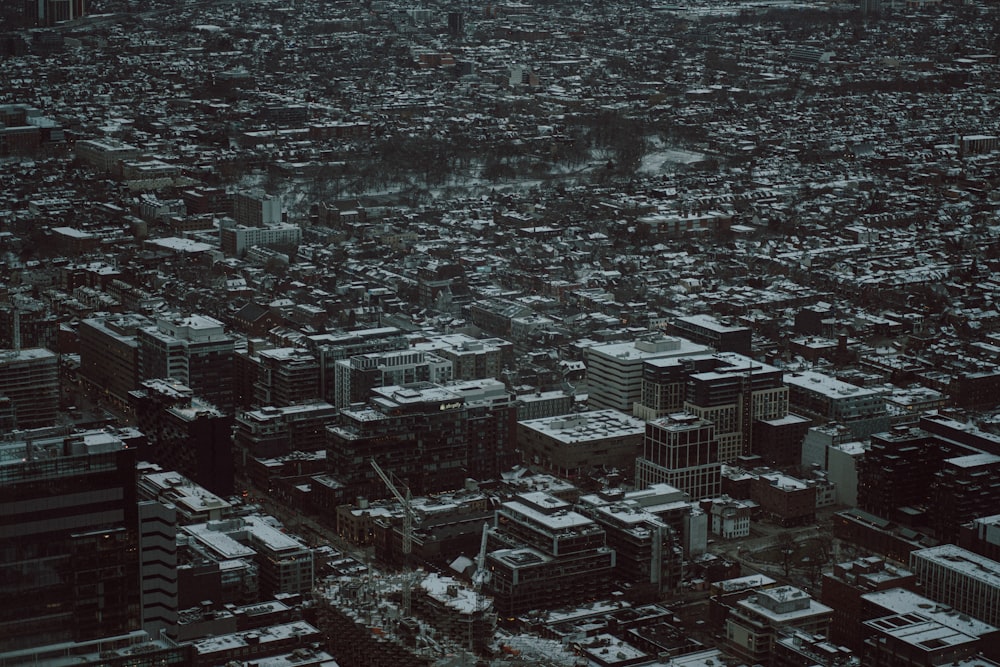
[828, 386]
[903, 601]
[960, 560]
[587, 426]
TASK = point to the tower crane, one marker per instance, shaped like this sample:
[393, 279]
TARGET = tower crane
[408, 515]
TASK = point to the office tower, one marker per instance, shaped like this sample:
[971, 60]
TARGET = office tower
[549, 555]
[681, 450]
[256, 209]
[69, 547]
[193, 350]
[615, 370]
[30, 379]
[861, 409]
[576, 444]
[735, 396]
[707, 330]
[964, 580]
[109, 354]
[185, 433]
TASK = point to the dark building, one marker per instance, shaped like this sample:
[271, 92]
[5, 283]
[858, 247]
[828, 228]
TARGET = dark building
[194, 350]
[30, 379]
[708, 330]
[185, 434]
[966, 488]
[844, 587]
[897, 472]
[416, 431]
[778, 442]
[546, 555]
[109, 354]
[69, 545]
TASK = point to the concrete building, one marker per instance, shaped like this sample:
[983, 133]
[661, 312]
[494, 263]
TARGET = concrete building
[861, 409]
[356, 377]
[890, 601]
[911, 639]
[158, 564]
[573, 445]
[194, 350]
[471, 358]
[735, 396]
[286, 376]
[651, 532]
[236, 240]
[256, 209]
[680, 450]
[614, 370]
[30, 379]
[961, 579]
[105, 154]
[730, 518]
[754, 622]
[417, 432]
[966, 488]
[271, 431]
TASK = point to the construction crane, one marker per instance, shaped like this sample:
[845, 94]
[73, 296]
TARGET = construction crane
[408, 514]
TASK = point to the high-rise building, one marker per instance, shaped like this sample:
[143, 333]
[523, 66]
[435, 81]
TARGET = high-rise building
[681, 450]
[734, 396]
[69, 546]
[194, 350]
[256, 209]
[158, 556]
[30, 379]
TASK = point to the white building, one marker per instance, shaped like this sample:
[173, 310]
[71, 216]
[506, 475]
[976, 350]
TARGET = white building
[614, 371]
[962, 579]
